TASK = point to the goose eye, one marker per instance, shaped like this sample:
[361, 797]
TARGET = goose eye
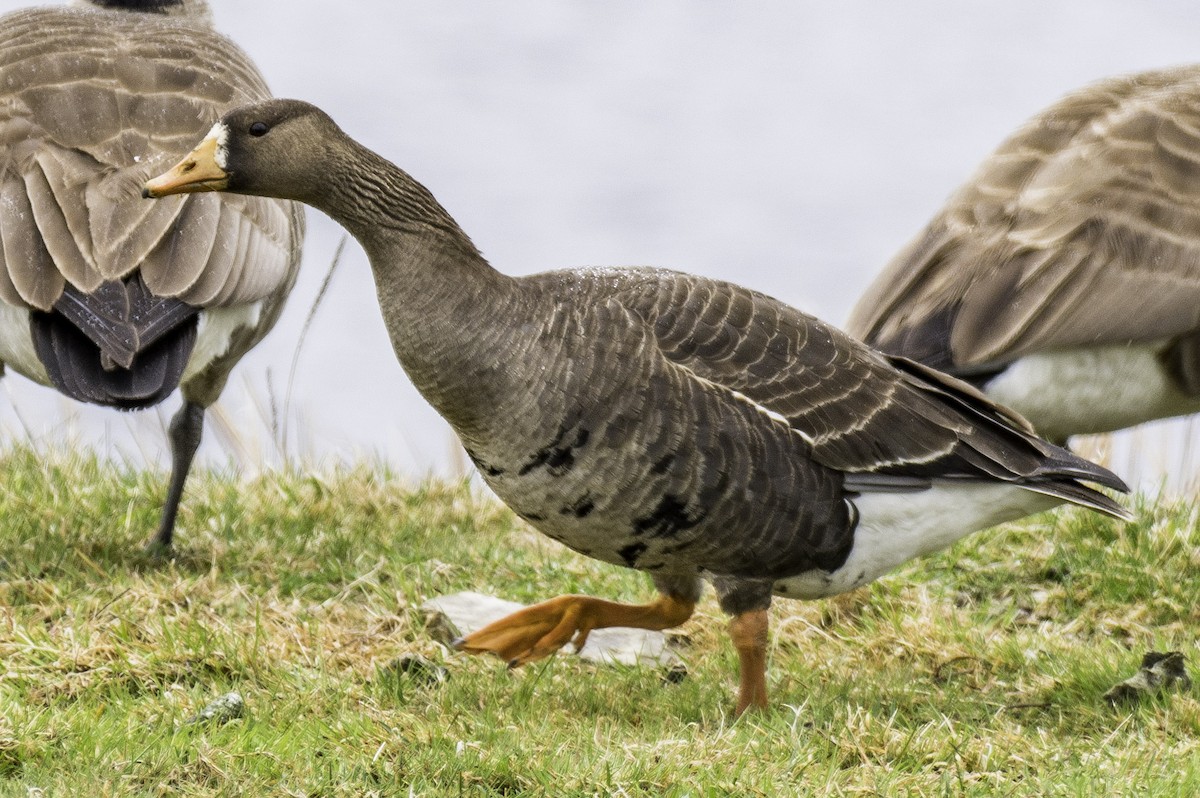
[259, 129]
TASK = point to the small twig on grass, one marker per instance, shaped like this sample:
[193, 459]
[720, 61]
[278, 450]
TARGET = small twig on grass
[26, 428]
[112, 600]
[353, 584]
[90, 563]
[1032, 705]
[937, 671]
[308, 320]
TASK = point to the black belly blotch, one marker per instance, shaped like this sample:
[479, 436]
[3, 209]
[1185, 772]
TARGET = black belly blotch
[555, 456]
[631, 552]
[668, 518]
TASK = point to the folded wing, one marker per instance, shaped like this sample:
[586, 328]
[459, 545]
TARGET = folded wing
[888, 423]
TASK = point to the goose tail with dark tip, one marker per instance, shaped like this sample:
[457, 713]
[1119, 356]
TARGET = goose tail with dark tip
[1080, 494]
[1061, 462]
[1062, 476]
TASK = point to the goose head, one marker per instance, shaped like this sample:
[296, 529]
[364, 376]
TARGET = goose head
[275, 148]
[196, 9]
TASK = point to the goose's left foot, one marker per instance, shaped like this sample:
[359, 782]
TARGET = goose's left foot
[537, 632]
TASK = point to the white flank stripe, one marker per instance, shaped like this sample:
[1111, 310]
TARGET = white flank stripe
[217, 326]
[893, 528]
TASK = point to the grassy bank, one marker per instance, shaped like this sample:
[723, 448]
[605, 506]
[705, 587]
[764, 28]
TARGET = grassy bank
[977, 672]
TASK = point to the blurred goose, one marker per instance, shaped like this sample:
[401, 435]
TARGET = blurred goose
[674, 424]
[1064, 277]
[106, 298]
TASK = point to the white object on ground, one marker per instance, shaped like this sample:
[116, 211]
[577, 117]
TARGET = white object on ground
[468, 611]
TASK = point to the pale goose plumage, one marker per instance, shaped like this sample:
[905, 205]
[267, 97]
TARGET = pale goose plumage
[107, 298]
[665, 422]
[1064, 277]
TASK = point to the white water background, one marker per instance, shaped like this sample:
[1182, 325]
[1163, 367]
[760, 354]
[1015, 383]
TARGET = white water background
[791, 147]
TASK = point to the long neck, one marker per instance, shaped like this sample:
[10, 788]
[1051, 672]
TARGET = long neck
[444, 306]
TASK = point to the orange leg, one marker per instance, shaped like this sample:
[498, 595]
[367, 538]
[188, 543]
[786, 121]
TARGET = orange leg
[538, 631]
[749, 633]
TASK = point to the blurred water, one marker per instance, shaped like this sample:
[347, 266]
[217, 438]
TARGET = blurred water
[792, 147]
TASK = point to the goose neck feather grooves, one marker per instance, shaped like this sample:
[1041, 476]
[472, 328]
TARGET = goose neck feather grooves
[447, 310]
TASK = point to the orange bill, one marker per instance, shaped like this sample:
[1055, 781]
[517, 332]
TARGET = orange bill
[198, 171]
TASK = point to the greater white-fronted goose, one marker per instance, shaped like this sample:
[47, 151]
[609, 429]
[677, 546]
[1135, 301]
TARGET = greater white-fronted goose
[106, 298]
[675, 424]
[1064, 277]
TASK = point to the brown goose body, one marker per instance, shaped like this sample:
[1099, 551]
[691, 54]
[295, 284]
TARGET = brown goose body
[106, 299]
[637, 414]
[1064, 276]
[680, 425]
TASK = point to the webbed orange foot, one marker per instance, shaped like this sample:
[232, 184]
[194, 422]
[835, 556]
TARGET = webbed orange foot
[537, 632]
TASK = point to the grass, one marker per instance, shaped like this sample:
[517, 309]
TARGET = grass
[977, 672]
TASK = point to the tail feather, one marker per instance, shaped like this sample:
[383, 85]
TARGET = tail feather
[1061, 462]
[77, 368]
[1004, 440]
[1082, 495]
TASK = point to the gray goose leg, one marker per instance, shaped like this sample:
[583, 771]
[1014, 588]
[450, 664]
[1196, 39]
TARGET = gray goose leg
[187, 426]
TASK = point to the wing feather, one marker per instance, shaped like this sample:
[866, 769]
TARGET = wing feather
[861, 411]
[268, 254]
[80, 134]
[182, 254]
[227, 234]
[34, 277]
[67, 252]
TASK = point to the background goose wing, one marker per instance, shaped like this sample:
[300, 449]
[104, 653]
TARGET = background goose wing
[1082, 228]
[91, 105]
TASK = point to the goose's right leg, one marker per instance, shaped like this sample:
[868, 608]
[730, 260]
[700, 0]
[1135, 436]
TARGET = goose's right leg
[186, 429]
